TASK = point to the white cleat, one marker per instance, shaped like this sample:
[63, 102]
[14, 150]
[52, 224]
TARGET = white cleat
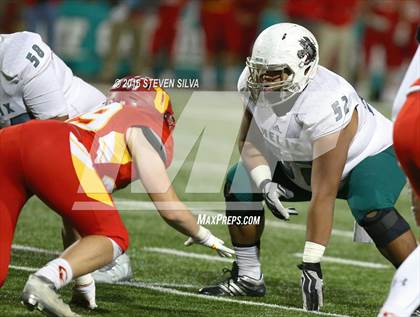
[40, 294]
[118, 271]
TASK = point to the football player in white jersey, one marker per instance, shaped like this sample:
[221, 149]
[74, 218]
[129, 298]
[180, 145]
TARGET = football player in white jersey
[306, 135]
[36, 84]
[404, 297]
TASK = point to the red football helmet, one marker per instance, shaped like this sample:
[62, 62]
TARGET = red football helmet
[139, 91]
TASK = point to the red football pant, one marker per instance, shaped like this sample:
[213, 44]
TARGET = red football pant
[35, 159]
[407, 140]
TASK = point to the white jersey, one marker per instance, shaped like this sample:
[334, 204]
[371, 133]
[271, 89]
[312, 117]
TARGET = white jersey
[324, 107]
[35, 83]
[412, 74]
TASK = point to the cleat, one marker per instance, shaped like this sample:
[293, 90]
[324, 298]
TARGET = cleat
[118, 271]
[236, 285]
[40, 294]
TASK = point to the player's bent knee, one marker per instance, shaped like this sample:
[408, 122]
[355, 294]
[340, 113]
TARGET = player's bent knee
[239, 186]
[240, 196]
[241, 204]
[120, 243]
[384, 225]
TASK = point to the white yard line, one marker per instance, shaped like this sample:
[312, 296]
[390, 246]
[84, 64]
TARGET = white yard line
[172, 285]
[224, 299]
[35, 250]
[299, 227]
[165, 288]
[23, 268]
[146, 208]
[154, 284]
[188, 254]
[206, 257]
[370, 265]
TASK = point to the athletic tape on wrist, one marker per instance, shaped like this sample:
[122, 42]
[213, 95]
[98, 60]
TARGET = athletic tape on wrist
[260, 174]
[202, 234]
[313, 252]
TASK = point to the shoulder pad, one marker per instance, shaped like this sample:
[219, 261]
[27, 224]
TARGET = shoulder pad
[24, 56]
[326, 112]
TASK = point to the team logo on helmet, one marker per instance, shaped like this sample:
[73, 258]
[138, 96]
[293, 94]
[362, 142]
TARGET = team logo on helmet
[308, 50]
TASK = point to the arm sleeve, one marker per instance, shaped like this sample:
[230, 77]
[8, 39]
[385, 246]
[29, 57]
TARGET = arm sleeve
[43, 95]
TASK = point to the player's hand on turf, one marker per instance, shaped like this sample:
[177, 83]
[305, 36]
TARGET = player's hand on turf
[206, 238]
[312, 286]
[272, 193]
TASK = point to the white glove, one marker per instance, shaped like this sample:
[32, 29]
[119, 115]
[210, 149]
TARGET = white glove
[84, 292]
[206, 238]
[272, 193]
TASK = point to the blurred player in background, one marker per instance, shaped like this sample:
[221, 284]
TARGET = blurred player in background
[404, 296]
[389, 27]
[222, 42]
[247, 14]
[164, 36]
[337, 37]
[39, 14]
[126, 18]
[304, 12]
[306, 135]
[75, 170]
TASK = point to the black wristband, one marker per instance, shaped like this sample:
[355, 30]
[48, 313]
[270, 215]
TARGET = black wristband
[264, 182]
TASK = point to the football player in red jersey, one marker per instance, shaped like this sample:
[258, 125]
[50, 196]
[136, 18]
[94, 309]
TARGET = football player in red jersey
[74, 170]
[404, 295]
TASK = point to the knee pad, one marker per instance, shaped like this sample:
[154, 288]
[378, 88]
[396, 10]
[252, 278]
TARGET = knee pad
[384, 225]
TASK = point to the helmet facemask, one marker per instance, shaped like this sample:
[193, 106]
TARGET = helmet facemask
[270, 85]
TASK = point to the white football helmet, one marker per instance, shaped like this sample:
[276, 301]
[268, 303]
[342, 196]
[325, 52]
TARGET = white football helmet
[284, 59]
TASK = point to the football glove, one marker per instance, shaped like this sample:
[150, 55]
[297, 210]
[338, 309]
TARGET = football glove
[206, 238]
[272, 192]
[312, 286]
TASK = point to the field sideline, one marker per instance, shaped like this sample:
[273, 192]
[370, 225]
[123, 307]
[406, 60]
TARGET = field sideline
[168, 275]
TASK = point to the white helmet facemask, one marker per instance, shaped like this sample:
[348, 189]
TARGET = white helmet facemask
[284, 59]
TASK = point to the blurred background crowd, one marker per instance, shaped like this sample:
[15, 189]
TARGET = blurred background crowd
[369, 42]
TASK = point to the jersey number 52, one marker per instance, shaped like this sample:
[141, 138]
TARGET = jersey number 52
[340, 106]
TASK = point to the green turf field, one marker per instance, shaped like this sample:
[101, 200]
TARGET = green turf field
[167, 277]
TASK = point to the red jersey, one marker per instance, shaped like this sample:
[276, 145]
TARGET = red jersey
[101, 144]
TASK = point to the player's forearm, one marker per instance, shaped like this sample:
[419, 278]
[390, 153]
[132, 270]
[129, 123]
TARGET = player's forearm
[182, 221]
[175, 213]
[255, 163]
[252, 156]
[320, 220]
